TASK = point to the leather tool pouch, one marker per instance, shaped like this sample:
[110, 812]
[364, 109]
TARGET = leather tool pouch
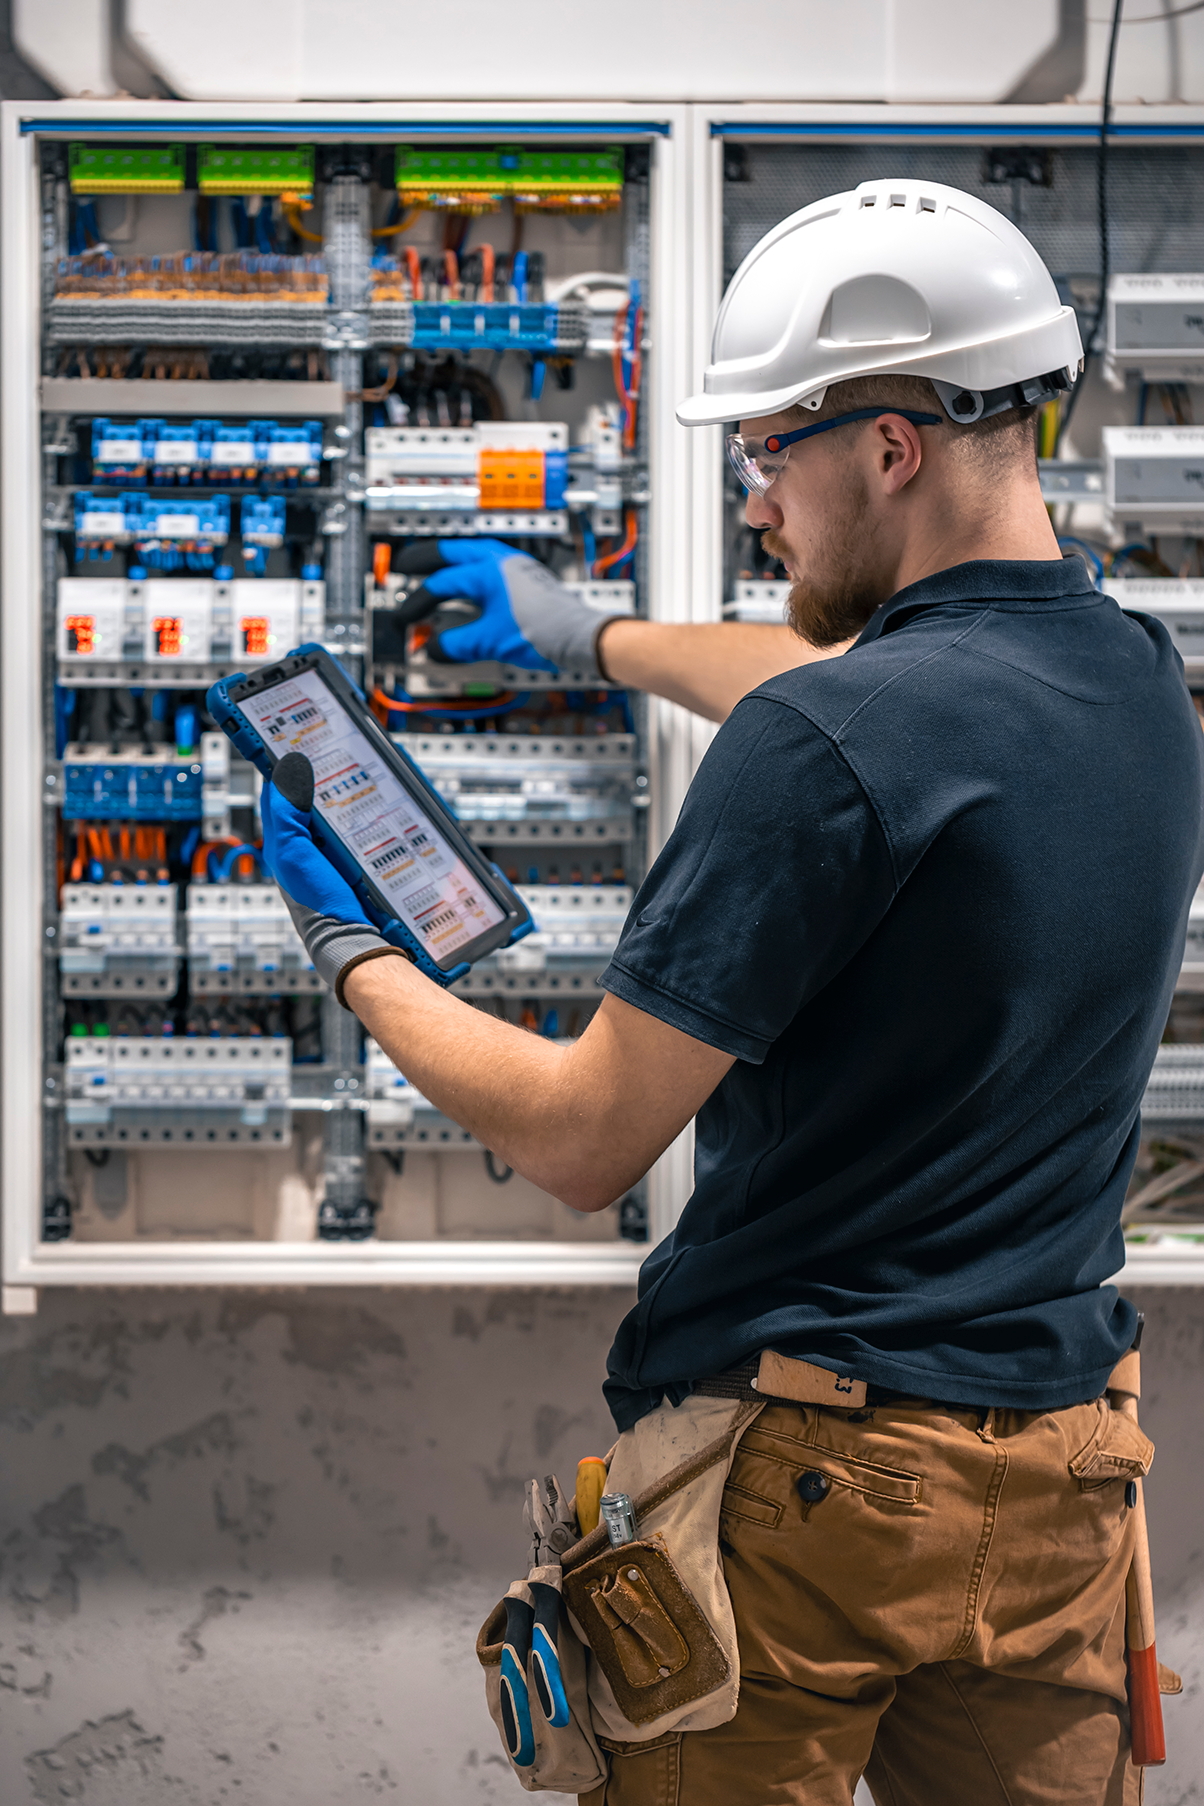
[644, 1640]
[645, 1631]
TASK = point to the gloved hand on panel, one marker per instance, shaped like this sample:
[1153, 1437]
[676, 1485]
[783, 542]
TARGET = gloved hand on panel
[527, 617]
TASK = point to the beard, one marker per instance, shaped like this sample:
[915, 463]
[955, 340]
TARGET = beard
[838, 594]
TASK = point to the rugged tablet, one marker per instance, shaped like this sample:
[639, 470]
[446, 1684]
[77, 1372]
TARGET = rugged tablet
[423, 883]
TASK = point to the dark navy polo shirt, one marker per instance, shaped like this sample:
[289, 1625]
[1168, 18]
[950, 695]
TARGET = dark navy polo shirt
[933, 897]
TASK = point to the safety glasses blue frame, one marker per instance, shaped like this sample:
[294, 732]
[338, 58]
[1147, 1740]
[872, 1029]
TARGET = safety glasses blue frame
[759, 462]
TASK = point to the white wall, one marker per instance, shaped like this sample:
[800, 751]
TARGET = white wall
[872, 50]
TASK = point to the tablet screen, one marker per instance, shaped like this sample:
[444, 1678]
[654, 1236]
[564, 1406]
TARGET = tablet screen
[363, 802]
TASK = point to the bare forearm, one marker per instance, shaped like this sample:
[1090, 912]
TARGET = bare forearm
[582, 1122]
[705, 667]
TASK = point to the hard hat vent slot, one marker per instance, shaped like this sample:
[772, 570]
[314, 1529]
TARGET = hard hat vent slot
[926, 205]
[867, 200]
[897, 200]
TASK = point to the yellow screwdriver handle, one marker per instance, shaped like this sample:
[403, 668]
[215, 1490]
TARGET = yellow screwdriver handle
[591, 1484]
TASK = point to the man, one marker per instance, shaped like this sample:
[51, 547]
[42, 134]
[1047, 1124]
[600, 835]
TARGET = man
[906, 958]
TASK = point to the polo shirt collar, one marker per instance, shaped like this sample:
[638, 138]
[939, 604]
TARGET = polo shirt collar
[1014, 584]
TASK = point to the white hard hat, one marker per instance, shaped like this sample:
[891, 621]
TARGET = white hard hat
[899, 276]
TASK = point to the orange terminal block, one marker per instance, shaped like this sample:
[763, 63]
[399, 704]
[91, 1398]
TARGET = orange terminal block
[510, 479]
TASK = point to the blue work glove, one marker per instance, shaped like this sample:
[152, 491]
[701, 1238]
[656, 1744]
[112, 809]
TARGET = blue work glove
[527, 616]
[326, 912]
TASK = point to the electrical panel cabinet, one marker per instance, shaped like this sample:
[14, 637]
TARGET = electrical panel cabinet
[309, 339]
[312, 337]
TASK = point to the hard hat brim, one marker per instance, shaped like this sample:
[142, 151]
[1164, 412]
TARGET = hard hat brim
[715, 410]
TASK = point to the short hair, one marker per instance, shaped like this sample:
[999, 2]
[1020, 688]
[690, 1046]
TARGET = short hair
[996, 441]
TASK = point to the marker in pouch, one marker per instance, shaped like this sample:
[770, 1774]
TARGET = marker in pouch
[616, 1513]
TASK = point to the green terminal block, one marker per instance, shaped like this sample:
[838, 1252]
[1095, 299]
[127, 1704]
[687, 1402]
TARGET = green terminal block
[438, 178]
[111, 169]
[273, 170]
[563, 172]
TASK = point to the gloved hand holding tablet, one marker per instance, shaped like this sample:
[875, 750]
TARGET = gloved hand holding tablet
[358, 840]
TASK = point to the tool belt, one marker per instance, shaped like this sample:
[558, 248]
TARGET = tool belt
[633, 1642]
[653, 1615]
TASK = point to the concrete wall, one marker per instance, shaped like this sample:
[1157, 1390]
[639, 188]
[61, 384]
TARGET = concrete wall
[246, 1540]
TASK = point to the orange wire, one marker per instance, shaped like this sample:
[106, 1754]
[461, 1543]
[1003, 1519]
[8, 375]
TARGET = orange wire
[486, 272]
[403, 224]
[414, 271]
[451, 270]
[628, 545]
[441, 708]
[293, 216]
[200, 859]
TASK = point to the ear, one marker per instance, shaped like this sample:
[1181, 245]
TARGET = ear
[898, 451]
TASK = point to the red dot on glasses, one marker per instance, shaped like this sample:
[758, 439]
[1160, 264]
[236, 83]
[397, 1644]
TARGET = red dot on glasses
[774, 444]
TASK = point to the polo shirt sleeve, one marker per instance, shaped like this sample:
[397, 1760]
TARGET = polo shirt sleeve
[777, 872]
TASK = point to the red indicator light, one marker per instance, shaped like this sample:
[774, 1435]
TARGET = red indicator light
[166, 629]
[81, 633]
[255, 636]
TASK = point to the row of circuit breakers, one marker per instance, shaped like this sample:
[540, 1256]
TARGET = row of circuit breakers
[1153, 476]
[126, 943]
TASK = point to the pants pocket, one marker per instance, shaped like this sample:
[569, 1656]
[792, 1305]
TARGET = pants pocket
[1117, 1450]
[778, 1479]
[641, 1774]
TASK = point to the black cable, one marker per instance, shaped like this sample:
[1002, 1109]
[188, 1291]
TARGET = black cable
[1180, 12]
[1105, 246]
[499, 1178]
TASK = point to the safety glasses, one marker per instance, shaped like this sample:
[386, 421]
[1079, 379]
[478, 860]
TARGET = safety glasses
[760, 462]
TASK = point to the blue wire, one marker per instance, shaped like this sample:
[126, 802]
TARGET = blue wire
[191, 842]
[1135, 545]
[1142, 399]
[1079, 545]
[225, 869]
[64, 709]
[591, 550]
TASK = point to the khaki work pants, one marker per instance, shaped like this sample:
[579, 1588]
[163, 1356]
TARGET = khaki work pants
[930, 1597]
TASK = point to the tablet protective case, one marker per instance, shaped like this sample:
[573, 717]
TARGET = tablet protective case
[234, 724]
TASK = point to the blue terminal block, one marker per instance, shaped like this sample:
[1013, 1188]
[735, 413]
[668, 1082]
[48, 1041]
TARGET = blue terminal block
[184, 453]
[261, 527]
[131, 789]
[176, 450]
[555, 478]
[236, 453]
[538, 327]
[182, 532]
[293, 453]
[102, 522]
[118, 452]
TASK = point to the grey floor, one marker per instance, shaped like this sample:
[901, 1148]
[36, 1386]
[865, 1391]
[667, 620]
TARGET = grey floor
[246, 1540]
